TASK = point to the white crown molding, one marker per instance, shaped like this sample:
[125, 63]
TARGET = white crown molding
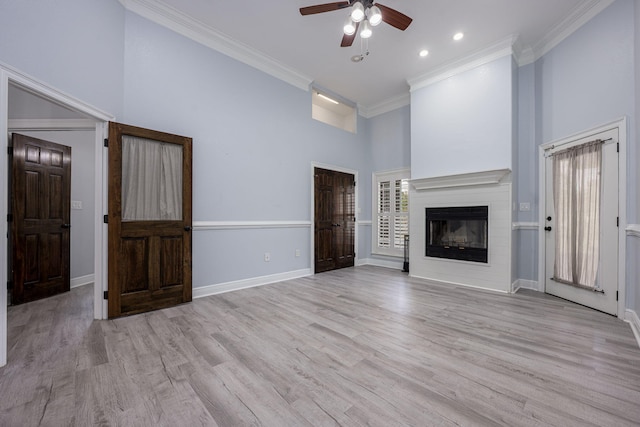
[497, 50]
[460, 180]
[633, 230]
[390, 104]
[240, 225]
[51, 124]
[582, 14]
[185, 25]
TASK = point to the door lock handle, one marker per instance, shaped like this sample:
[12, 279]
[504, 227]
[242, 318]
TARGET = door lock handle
[187, 228]
[336, 225]
[548, 218]
[548, 228]
[65, 226]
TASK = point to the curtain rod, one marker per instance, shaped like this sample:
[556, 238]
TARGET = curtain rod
[601, 141]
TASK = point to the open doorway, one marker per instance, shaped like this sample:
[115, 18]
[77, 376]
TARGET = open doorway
[31, 106]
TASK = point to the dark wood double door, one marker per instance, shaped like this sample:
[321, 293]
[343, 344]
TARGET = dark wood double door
[334, 237]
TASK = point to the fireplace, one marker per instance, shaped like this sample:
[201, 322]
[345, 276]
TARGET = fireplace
[459, 233]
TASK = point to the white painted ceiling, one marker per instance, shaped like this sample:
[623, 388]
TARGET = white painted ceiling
[310, 45]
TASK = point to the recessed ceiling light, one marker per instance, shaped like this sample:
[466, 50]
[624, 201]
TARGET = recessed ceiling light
[423, 53]
[458, 36]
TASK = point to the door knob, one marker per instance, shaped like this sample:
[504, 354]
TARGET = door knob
[548, 218]
[187, 228]
[65, 226]
[548, 228]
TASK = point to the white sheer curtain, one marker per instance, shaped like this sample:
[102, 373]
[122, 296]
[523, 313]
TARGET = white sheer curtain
[151, 180]
[576, 196]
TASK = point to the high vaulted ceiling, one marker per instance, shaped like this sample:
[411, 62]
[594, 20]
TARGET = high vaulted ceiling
[308, 47]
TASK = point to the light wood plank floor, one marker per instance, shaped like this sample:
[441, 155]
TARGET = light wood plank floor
[360, 346]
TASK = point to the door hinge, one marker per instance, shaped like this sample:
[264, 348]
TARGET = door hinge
[617, 147]
[616, 295]
[617, 221]
[9, 284]
[9, 217]
[106, 219]
[106, 142]
[106, 294]
[10, 151]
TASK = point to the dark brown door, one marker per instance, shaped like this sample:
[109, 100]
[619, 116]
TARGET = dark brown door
[149, 220]
[334, 220]
[40, 205]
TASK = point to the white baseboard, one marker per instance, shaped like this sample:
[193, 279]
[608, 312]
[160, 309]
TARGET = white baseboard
[219, 288]
[526, 284]
[381, 263]
[464, 285]
[82, 280]
[632, 318]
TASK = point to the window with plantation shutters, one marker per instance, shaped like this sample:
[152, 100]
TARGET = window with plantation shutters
[391, 212]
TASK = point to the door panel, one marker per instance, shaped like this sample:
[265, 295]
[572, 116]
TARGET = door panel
[149, 259]
[41, 205]
[334, 227]
[605, 299]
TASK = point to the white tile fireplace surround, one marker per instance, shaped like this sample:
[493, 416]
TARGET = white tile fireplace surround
[488, 188]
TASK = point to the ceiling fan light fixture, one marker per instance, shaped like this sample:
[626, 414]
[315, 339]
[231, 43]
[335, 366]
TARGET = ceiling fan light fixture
[375, 15]
[366, 30]
[349, 27]
[357, 14]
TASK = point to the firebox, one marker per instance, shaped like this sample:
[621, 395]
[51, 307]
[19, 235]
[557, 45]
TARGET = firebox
[458, 233]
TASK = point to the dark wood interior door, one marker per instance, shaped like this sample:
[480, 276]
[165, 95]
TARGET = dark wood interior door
[149, 254]
[334, 213]
[41, 208]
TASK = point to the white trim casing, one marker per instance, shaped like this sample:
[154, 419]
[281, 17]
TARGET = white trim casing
[525, 226]
[9, 75]
[632, 318]
[76, 282]
[243, 225]
[376, 177]
[525, 284]
[621, 125]
[633, 230]
[219, 288]
[51, 124]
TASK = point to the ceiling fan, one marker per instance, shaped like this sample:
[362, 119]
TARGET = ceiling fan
[362, 11]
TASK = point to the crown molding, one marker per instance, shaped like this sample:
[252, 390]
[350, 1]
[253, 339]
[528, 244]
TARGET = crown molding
[582, 14]
[185, 25]
[390, 104]
[497, 50]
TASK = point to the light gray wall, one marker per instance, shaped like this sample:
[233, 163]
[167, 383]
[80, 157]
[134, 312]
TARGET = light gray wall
[253, 145]
[73, 45]
[390, 148]
[585, 81]
[82, 145]
[464, 123]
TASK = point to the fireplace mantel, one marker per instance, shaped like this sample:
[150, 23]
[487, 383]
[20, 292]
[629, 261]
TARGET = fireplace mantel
[460, 180]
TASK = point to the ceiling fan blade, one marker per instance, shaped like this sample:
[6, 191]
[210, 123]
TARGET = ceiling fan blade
[348, 40]
[320, 8]
[394, 18]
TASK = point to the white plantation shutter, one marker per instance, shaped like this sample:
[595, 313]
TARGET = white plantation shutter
[384, 211]
[391, 222]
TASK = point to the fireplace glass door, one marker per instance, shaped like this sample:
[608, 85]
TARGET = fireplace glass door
[457, 233]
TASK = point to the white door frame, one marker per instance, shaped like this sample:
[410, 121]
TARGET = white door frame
[312, 250]
[621, 126]
[9, 75]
